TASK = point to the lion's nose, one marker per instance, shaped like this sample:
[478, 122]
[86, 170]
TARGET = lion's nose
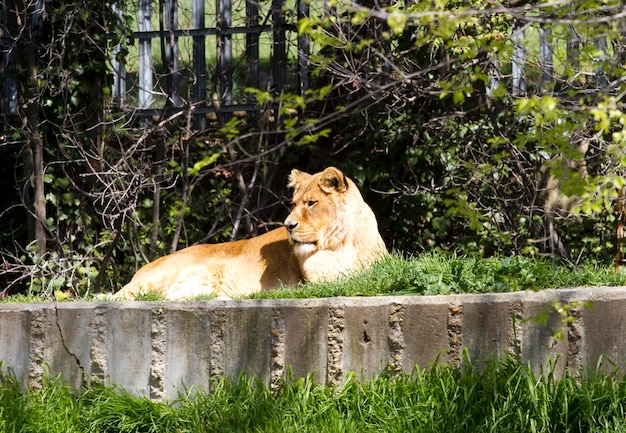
[290, 224]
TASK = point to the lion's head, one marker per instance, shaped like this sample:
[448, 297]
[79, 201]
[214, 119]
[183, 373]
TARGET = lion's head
[332, 230]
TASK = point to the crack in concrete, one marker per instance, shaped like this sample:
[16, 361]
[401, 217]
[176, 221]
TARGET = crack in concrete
[64, 343]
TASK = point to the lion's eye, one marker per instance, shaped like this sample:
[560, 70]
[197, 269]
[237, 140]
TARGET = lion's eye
[311, 203]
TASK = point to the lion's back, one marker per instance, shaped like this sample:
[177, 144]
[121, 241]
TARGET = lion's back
[225, 270]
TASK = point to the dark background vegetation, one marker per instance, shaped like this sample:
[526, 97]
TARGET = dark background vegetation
[403, 106]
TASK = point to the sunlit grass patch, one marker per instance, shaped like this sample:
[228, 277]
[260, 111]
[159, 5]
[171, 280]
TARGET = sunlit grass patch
[430, 274]
[443, 274]
[505, 396]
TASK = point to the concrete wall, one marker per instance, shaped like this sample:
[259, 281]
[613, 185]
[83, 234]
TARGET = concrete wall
[156, 349]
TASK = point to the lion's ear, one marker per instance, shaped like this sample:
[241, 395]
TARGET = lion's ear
[333, 180]
[296, 177]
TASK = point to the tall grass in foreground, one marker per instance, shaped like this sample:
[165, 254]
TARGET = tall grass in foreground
[443, 274]
[505, 397]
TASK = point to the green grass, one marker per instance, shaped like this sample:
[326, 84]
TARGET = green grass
[504, 397]
[435, 274]
[443, 274]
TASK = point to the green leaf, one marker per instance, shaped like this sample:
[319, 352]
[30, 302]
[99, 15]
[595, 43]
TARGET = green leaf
[396, 22]
[207, 160]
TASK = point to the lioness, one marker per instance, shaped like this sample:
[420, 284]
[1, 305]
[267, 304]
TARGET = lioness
[329, 232]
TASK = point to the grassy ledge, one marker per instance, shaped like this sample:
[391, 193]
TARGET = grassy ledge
[444, 274]
[431, 274]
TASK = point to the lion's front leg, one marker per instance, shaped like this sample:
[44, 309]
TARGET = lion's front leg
[327, 265]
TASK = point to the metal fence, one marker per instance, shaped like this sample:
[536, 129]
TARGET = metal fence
[544, 58]
[199, 57]
[238, 31]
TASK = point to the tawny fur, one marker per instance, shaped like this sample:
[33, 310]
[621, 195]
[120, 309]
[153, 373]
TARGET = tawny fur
[330, 232]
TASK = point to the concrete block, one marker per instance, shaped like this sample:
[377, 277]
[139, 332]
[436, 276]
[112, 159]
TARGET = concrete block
[67, 342]
[129, 346]
[305, 347]
[604, 336]
[538, 343]
[157, 349]
[425, 333]
[14, 340]
[188, 349]
[487, 329]
[247, 340]
[366, 333]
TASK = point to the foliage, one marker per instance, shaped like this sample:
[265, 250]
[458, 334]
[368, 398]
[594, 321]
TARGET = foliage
[457, 160]
[415, 102]
[501, 396]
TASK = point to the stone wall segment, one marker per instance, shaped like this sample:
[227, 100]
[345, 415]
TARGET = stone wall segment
[425, 329]
[158, 349]
[365, 336]
[15, 340]
[305, 338]
[188, 344]
[68, 340]
[537, 330]
[129, 346]
[487, 330]
[247, 339]
[603, 335]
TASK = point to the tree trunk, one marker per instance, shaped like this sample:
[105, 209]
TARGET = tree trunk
[34, 196]
[157, 165]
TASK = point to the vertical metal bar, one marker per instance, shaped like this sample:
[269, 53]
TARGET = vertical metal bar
[573, 55]
[601, 48]
[145, 55]
[225, 52]
[545, 56]
[252, 45]
[145, 79]
[519, 59]
[279, 61]
[573, 49]
[7, 67]
[199, 63]
[171, 51]
[252, 51]
[494, 75]
[304, 48]
[118, 92]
